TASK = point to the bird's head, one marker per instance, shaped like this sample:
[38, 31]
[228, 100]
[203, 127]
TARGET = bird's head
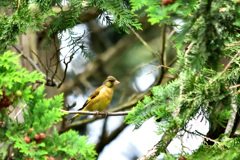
[111, 82]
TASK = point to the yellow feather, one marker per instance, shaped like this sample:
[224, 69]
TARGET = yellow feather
[100, 98]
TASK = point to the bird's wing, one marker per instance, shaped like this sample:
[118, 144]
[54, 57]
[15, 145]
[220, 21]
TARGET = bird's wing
[93, 95]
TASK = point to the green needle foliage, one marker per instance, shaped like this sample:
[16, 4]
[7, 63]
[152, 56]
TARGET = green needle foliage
[202, 87]
[39, 114]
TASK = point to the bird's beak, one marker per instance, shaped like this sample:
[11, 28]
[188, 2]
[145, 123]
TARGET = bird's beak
[116, 83]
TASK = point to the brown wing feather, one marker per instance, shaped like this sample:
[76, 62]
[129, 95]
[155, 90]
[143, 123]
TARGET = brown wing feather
[93, 95]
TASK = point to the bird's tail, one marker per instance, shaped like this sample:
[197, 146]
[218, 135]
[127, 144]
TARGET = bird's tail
[75, 117]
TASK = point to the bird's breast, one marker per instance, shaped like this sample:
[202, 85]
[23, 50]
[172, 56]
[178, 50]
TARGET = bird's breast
[101, 101]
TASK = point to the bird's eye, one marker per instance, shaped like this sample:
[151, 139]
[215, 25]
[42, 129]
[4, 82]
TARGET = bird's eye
[111, 80]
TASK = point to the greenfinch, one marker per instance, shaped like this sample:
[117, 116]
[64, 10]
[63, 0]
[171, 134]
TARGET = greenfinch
[100, 98]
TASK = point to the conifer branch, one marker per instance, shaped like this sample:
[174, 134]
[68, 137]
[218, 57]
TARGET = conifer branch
[204, 137]
[166, 139]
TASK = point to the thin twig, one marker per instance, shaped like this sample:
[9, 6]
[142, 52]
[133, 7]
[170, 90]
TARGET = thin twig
[229, 64]
[144, 42]
[19, 111]
[34, 65]
[234, 44]
[235, 86]
[171, 34]
[204, 137]
[226, 68]
[70, 60]
[237, 92]
[97, 113]
[232, 116]
[160, 66]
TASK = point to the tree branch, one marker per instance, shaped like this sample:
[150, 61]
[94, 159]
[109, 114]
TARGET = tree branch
[235, 86]
[234, 44]
[205, 137]
[97, 113]
[144, 42]
[232, 117]
[229, 64]
[49, 81]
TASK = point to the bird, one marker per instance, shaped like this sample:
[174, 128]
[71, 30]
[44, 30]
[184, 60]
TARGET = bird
[100, 98]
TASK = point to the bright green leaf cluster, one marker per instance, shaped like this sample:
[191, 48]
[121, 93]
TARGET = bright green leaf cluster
[39, 115]
[14, 78]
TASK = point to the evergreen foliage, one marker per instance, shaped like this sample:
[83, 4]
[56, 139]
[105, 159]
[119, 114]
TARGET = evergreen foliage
[200, 88]
[39, 115]
[123, 16]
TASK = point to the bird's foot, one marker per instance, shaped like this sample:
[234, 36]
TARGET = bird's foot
[97, 113]
[106, 114]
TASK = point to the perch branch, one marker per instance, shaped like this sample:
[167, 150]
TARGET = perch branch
[97, 113]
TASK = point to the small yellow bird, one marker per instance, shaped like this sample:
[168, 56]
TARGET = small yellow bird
[100, 98]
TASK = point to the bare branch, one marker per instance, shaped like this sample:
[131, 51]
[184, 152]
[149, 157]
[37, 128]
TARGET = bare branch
[144, 42]
[235, 86]
[71, 57]
[19, 111]
[149, 154]
[229, 64]
[49, 82]
[34, 65]
[237, 92]
[160, 66]
[232, 117]
[234, 44]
